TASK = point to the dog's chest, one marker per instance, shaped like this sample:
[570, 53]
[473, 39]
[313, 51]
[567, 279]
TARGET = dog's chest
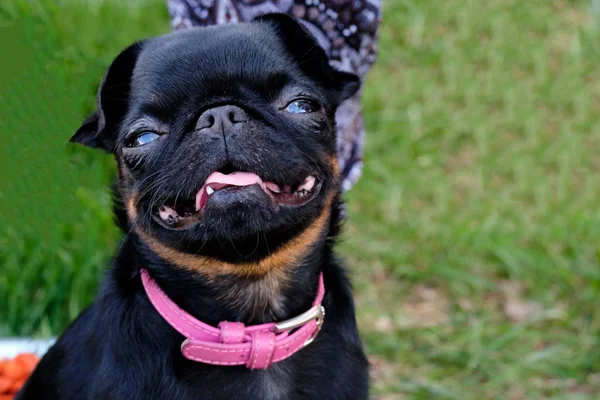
[276, 383]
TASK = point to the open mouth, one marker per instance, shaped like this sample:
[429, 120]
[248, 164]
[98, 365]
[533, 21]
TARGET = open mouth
[181, 213]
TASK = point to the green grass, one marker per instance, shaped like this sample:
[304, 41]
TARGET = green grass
[474, 234]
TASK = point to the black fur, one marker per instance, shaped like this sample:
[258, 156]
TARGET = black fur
[119, 347]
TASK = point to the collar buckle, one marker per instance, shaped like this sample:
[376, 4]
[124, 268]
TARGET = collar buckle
[315, 312]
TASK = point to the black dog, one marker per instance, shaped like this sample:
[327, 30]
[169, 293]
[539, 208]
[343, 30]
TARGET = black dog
[228, 192]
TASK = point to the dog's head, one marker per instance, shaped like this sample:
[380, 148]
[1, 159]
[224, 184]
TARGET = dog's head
[225, 141]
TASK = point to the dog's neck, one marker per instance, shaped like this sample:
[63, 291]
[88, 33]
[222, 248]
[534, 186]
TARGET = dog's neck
[277, 295]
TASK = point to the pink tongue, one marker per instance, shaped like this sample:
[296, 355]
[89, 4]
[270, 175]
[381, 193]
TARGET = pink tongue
[217, 180]
[234, 179]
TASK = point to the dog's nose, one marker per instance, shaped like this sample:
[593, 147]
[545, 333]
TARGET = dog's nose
[222, 118]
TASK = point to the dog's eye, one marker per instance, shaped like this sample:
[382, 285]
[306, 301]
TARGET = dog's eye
[142, 139]
[302, 106]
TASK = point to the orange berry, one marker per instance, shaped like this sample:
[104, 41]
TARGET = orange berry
[28, 361]
[17, 385]
[14, 371]
[5, 385]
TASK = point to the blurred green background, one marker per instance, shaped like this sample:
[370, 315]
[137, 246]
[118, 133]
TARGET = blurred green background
[474, 235]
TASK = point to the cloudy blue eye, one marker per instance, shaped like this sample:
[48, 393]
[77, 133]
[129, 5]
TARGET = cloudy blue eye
[302, 106]
[142, 139]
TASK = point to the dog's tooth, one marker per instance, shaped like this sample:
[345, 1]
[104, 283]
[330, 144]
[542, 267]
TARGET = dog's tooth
[209, 190]
[167, 213]
[308, 184]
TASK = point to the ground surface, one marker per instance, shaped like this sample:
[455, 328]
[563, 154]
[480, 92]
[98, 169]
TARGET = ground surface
[474, 233]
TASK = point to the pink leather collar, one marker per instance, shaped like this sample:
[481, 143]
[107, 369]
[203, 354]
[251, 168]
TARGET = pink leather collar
[232, 343]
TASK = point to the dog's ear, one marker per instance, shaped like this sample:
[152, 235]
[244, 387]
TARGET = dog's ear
[311, 56]
[99, 130]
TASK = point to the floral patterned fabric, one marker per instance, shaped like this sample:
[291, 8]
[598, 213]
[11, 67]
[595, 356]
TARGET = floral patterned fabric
[346, 29]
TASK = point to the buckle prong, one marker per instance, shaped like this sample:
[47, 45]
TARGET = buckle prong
[315, 312]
